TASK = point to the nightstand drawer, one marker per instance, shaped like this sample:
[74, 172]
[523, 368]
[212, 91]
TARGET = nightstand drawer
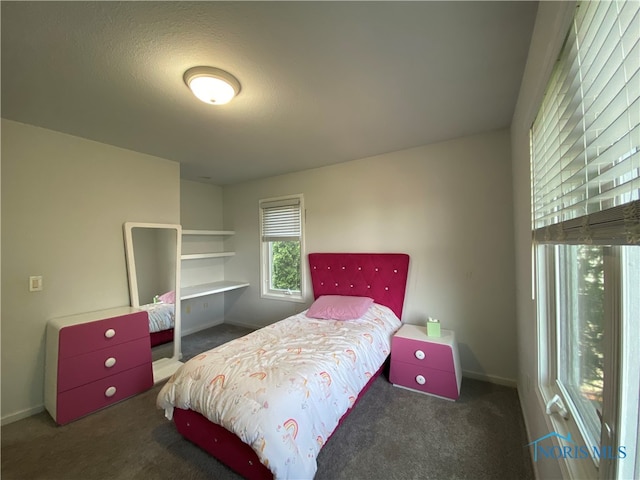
[427, 380]
[82, 369]
[421, 353]
[87, 337]
[86, 399]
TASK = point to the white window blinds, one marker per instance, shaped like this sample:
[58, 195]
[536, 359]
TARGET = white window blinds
[281, 220]
[586, 138]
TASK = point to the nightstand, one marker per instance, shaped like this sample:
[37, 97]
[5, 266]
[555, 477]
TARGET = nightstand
[425, 364]
[94, 360]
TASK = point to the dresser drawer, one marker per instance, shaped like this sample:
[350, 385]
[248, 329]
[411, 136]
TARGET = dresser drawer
[82, 369]
[428, 380]
[87, 337]
[423, 354]
[86, 399]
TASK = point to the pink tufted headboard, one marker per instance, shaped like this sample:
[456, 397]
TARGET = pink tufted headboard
[381, 276]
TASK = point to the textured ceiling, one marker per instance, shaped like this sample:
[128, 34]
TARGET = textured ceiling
[322, 82]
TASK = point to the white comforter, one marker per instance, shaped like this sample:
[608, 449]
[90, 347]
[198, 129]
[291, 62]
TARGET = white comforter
[282, 389]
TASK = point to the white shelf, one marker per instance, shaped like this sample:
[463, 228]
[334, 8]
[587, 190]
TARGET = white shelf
[195, 256]
[210, 289]
[208, 232]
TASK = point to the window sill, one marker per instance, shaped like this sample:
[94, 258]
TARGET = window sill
[283, 297]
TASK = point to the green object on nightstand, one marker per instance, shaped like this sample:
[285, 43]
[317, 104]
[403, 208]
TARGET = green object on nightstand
[433, 327]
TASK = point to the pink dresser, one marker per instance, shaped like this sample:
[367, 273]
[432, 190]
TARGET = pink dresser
[94, 360]
[426, 364]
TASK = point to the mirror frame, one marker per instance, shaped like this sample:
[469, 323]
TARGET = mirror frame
[165, 367]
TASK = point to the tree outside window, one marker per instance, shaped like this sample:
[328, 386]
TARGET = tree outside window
[285, 261]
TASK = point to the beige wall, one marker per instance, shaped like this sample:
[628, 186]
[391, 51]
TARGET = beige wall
[201, 209]
[64, 202]
[552, 23]
[200, 206]
[448, 205]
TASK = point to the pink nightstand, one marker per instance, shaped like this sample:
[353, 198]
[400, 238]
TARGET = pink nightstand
[426, 364]
[94, 360]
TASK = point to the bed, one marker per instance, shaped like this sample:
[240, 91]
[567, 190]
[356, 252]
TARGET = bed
[161, 322]
[161, 318]
[270, 418]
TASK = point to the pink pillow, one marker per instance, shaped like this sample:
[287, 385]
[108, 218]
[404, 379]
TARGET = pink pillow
[339, 307]
[169, 297]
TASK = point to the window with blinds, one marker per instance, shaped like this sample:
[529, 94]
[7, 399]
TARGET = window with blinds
[281, 220]
[586, 138]
[281, 234]
[585, 174]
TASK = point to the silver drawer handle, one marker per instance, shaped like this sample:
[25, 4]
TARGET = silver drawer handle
[110, 362]
[421, 380]
[419, 355]
[110, 333]
[110, 392]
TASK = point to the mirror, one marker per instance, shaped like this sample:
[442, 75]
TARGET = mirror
[153, 265]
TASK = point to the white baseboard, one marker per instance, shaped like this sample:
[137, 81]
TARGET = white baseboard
[245, 325]
[14, 417]
[536, 472]
[199, 328]
[508, 382]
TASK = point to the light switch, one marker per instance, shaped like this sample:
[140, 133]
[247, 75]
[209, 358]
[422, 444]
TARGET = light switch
[35, 283]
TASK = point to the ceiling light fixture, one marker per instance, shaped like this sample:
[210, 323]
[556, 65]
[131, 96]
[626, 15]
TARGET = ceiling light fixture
[212, 85]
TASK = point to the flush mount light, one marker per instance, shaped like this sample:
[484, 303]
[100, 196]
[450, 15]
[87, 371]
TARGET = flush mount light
[212, 85]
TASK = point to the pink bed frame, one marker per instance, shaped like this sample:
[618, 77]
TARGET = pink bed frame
[381, 276]
[161, 337]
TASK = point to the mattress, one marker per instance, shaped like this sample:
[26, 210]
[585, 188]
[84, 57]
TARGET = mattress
[283, 389]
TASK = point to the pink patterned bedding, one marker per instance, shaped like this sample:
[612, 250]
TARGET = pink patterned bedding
[283, 389]
[161, 316]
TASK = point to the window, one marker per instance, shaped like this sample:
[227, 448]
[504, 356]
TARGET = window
[585, 165]
[282, 248]
[580, 309]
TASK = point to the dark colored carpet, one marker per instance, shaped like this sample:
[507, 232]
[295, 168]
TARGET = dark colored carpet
[391, 434]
